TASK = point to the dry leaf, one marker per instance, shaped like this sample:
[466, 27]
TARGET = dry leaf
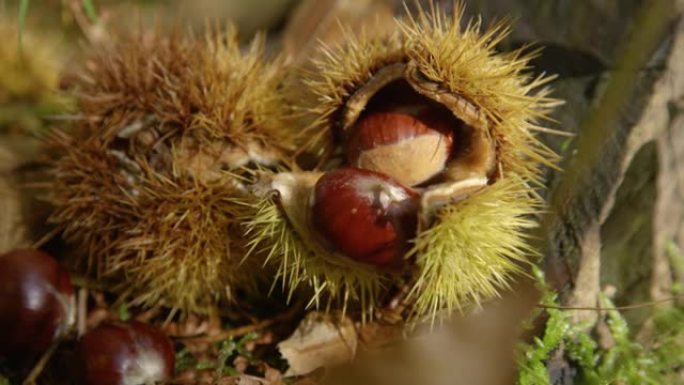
[375, 335]
[321, 340]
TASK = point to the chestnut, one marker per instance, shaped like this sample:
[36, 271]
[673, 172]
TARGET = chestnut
[366, 215]
[37, 303]
[410, 144]
[124, 353]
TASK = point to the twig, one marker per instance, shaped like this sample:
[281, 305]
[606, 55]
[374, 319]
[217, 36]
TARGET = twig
[254, 378]
[148, 314]
[46, 238]
[91, 30]
[40, 365]
[626, 307]
[81, 281]
[242, 330]
[82, 310]
[35, 185]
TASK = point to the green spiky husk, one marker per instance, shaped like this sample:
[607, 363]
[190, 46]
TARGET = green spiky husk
[172, 241]
[465, 62]
[340, 71]
[462, 62]
[333, 280]
[207, 86]
[145, 184]
[185, 245]
[474, 248]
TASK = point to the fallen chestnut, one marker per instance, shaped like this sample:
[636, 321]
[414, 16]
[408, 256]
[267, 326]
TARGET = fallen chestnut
[37, 302]
[366, 215]
[411, 145]
[130, 353]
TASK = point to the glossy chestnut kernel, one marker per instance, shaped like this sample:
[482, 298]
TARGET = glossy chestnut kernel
[36, 302]
[366, 215]
[411, 145]
[130, 353]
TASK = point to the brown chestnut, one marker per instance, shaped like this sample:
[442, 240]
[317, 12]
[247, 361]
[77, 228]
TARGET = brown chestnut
[411, 145]
[130, 353]
[37, 302]
[366, 215]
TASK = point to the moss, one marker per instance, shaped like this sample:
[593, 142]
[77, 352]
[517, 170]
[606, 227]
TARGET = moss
[226, 352]
[624, 362]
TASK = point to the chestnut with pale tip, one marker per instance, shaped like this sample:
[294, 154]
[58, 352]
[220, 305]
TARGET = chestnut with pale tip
[37, 303]
[125, 353]
[411, 144]
[365, 215]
